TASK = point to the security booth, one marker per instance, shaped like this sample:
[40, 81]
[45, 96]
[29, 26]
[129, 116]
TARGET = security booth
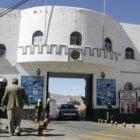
[128, 106]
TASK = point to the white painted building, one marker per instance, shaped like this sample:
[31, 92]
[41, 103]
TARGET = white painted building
[73, 42]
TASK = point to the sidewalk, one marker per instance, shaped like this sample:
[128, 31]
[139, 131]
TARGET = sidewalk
[27, 128]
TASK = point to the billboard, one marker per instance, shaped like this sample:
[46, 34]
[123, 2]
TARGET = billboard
[128, 102]
[106, 91]
[34, 87]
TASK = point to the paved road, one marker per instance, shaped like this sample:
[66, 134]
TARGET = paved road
[73, 130]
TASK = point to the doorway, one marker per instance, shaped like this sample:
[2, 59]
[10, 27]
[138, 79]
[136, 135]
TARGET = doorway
[61, 86]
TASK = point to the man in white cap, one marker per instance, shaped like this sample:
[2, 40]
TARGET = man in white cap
[39, 108]
[2, 88]
[47, 107]
[3, 83]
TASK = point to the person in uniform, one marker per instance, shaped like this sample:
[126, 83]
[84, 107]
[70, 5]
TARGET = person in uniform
[109, 111]
[47, 108]
[39, 108]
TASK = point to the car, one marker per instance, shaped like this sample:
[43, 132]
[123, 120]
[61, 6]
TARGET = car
[65, 111]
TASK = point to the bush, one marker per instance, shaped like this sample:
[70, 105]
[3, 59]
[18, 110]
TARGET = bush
[82, 113]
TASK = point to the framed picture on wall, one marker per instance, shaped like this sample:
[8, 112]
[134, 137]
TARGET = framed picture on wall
[34, 87]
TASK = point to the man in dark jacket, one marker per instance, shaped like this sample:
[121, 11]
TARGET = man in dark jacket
[14, 98]
[109, 112]
[3, 83]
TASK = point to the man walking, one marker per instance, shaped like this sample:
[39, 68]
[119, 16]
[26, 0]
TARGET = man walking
[14, 98]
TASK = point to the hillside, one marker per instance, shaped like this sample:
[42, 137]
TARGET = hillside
[63, 99]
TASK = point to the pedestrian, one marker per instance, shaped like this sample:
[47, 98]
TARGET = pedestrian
[39, 108]
[109, 112]
[14, 98]
[47, 108]
[3, 83]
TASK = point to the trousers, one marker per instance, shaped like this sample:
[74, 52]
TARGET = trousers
[14, 119]
[109, 116]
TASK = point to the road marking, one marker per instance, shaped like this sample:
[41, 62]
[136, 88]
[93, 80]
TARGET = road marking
[95, 137]
[44, 132]
[129, 129]
[71, 139]
[43, 138]
[115, 136]
[121, 132]
[125, 130]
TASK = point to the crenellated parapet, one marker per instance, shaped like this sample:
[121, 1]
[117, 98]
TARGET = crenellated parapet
[41, 49]
[64, 51]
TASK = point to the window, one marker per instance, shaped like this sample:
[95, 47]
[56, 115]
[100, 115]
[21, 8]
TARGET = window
[108, 44]
[75, 38]
[37, 38]
[129, 53]
[2, 50]
[128, 86]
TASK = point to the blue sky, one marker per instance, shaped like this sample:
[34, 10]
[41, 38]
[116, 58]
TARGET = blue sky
[122, 10]
[67, 86]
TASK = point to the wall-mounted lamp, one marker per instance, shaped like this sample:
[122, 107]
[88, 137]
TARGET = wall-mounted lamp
[102, 75]
[38, 72]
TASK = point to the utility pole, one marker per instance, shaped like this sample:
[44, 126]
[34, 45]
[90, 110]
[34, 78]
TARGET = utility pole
[104, 23]
[45, 13]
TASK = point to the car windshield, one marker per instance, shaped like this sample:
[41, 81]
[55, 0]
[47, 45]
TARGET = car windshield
[67, 106]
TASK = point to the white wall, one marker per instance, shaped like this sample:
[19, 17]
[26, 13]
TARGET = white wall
[16, 34]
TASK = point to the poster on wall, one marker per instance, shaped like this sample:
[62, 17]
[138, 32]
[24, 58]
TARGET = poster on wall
[128, 102]
[128, 106]
[34, 86]
[106, 91]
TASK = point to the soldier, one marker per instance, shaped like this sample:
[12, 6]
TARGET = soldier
[47, 108]
[39, 108]
[109, 114]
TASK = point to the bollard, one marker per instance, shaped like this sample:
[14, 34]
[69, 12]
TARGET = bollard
[105, 121]
[124, 125]
[133, 126]
[102, 121]
[99, 120]
[35, 122]
[40, 130]
[45, 124]
[111, 122]
[116, 124]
